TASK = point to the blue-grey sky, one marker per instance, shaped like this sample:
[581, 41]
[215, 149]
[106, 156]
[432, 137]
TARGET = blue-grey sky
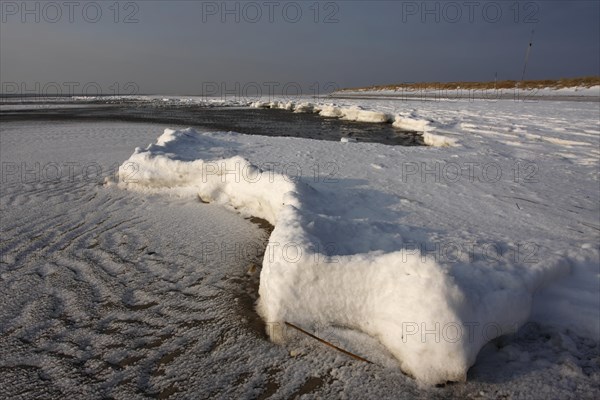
[185, 47]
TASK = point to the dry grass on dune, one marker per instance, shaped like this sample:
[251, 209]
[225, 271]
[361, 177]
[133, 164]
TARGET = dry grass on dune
[587, 81]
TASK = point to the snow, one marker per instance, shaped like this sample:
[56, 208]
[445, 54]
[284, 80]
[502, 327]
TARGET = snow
[432, 139]
[490, 94]
[359, 114]
[110, 294]
[353, 113]
[381, 241]
[376, 292]
[336, 260]
[592, 91]
[173, 162]
[410, 124]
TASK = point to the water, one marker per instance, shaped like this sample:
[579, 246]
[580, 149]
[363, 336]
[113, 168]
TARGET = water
[251, 121]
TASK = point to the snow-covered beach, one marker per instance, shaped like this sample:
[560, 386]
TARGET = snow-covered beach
[415, 258]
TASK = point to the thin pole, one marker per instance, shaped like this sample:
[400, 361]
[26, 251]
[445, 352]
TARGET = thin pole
[527, 56]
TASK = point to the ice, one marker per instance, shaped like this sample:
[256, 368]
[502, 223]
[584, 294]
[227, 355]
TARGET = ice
[172, 163]
[354, 114]
[347, 267]
[434, 140]
[359, 114]
[141, 289]
[410, 124]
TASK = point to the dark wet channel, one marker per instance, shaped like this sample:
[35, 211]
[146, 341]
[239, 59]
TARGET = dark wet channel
[251, 121]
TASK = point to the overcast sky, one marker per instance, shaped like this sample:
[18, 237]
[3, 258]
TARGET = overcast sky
[173, 47]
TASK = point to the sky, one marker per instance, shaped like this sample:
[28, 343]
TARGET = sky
[210, 47]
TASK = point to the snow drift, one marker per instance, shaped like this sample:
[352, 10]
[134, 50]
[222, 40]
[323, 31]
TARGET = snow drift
[358, 114]
[432, 318]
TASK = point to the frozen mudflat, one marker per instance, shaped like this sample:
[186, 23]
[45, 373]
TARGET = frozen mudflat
[146, 291]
